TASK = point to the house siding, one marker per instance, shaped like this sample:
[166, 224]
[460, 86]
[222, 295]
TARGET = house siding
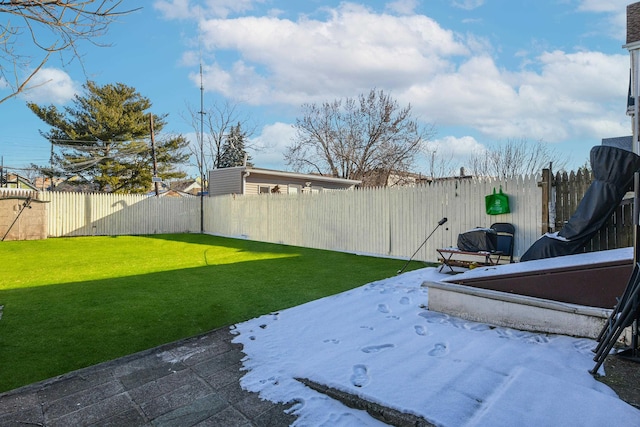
[249, 181]
[256, 180]
[225, 181]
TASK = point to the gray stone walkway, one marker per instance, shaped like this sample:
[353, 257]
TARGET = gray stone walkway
[193, 382]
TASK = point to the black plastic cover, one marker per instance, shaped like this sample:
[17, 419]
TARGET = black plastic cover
[478, 239]
[613, 170]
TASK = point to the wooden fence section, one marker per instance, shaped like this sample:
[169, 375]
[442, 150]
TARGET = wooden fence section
[88, 214]
[569, 191]
[382, 221]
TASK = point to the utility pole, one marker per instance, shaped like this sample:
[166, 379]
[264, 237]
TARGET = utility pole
[202, 171]
[153, 154]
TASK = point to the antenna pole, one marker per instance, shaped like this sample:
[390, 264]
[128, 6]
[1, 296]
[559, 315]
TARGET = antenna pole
[202, 171]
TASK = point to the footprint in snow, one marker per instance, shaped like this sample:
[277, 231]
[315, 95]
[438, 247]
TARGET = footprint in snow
[420, 330]
[440, 349]
[360, 376]
[405, 300]
[377, 348]
[384, 308]
[528, 337]
[586, 346]
[331, 341]
[435, 317]
[271, 380]
[445, 319]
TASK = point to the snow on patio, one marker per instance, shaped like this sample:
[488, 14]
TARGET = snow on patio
[379, 342]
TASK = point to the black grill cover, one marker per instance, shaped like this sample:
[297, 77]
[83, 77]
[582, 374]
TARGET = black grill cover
[613, 170]
[478, 239]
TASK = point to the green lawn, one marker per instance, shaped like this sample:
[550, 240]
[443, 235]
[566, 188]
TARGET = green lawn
[74, 302]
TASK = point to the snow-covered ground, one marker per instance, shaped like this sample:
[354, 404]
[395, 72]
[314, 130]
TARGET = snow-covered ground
[381, 343]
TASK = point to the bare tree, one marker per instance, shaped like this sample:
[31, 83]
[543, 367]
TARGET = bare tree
[439, 164]
[52, 26]
[367, 138]
[217, 124]
[516, 157]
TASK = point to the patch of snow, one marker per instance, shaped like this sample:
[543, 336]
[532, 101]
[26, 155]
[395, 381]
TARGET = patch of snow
[380, 342]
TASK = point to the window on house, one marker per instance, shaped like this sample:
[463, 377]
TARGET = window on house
[264, 189]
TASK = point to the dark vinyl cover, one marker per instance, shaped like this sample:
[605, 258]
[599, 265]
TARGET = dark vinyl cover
[478, 239]
[613, 170]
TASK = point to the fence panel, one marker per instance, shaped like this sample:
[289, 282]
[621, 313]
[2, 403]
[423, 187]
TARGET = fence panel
[87, 214]
[617, 232]
[380, 221]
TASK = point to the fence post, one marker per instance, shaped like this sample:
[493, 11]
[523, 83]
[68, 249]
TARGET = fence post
[546, 197]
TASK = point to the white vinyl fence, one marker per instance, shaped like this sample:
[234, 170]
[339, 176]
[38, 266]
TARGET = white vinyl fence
[382, 221]
[88, 214]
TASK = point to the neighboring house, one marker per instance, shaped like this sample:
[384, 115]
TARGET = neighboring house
[191, 186]
[170, 193]
[386, 178]
[382, 178]
[74, 184]
[248, 180]
[11, 180]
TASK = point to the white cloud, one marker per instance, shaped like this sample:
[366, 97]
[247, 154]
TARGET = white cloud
[175, 9]
[402, 7]
[599, 6]
[187, 9]
[451, 146]
[446, 155]
[308, 60]
[616, 22]
[467, 4]
[50, 85]
[552, 104]
[449, 79]
[270, 145]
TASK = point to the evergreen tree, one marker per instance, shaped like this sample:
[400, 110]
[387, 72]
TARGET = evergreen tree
[233, 149]
[104, 138]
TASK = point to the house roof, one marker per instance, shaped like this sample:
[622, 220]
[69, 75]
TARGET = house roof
[310, 177]
[19, 181]
[170, 193]
[185, 185]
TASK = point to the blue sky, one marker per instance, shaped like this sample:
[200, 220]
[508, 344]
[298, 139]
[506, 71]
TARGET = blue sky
[480, 71]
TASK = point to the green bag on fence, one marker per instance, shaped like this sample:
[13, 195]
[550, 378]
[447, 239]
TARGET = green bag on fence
[497, 203]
